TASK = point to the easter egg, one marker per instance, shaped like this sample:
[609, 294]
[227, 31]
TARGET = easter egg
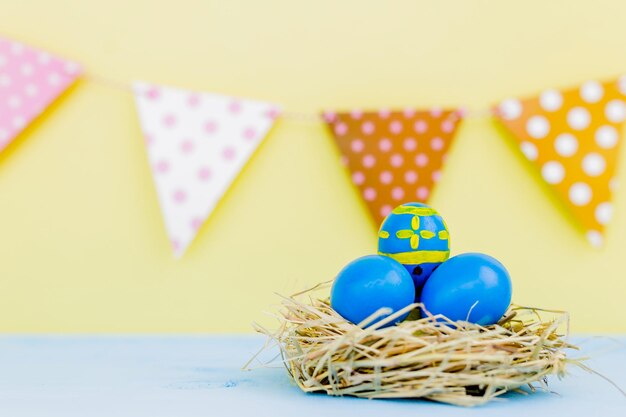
[471, 287]
[415, 235]
[369, 283]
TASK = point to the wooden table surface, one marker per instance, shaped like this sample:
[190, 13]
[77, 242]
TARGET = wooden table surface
[189, 376]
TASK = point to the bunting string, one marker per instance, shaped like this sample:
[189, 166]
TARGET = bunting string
[198, 142]
[286, 114]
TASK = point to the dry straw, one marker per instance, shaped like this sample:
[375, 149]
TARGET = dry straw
[432, 357]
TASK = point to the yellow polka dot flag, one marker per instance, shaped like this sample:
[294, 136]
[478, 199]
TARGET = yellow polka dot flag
[573, 138]
[394, 156]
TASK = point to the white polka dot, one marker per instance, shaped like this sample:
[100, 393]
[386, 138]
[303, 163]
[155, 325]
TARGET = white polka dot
[580, 194]
[31, 90]
[4, 134]
[606, 137]
[537, 127]
[595, 238]
[578, 118]
[14, 102]
[591, 91]
[566, 144]
[27, 70]
[615, 111]
[529, 150]
[621, 84]
[604, 212]
[3, 60]
[510, 109]
[54, 79]
[5, 80]
[551, 100]
[553, 172]
[18, 122]
[17, 48]
[43, 58]
[71, 67]
[594, 164]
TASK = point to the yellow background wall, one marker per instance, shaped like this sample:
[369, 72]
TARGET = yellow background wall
[82, 245]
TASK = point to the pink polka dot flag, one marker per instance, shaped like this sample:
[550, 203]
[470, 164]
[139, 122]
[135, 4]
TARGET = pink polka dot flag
[30, 80]
[394, 156]
[197, 145]
[573, 137]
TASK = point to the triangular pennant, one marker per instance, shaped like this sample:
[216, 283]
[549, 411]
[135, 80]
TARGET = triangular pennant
[394, 156]
[197, 144]
[573, 137]
[30, 80]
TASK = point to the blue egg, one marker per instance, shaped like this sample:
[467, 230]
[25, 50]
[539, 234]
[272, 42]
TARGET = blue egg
[369, 283]
[472, 286]
[415, 235]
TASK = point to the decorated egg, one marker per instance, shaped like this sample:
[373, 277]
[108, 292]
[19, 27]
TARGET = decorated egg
[415, 235]
[471, 287]
[368, 284]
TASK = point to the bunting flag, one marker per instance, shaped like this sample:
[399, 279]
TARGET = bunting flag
[197, 144]
[394, 156]
[573, 137]
[30, 80]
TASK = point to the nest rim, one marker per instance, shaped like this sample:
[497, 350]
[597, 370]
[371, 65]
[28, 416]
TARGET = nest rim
[431, 358]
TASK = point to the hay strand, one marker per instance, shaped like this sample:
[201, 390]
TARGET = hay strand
[432, 357]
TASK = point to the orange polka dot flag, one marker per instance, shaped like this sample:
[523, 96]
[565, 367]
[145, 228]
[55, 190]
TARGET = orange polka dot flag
[394, 156]
[573, 137]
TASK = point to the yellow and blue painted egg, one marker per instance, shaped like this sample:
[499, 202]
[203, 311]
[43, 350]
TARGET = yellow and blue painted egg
[415, 235]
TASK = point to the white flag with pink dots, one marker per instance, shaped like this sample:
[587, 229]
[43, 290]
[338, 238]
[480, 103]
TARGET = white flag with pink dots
[197, 144]
[30, 80]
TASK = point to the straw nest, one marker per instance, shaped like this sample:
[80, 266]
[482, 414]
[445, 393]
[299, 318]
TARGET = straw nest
[431, 357]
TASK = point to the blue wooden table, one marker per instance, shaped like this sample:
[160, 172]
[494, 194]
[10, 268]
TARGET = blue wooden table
[189, 376]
